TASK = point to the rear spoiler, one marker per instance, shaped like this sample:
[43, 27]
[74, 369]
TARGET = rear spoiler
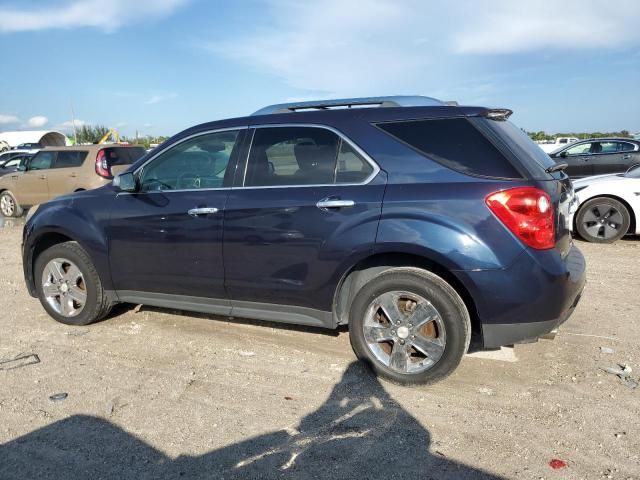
[499, 114]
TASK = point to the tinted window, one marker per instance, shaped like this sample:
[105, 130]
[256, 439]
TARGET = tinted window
[615, 147]
[351, 167]
[200, 162]
[67, 159]
[292, 156]
[455, 143]
[124, 156]
[42, 160]
[625, 147]
[580, 149]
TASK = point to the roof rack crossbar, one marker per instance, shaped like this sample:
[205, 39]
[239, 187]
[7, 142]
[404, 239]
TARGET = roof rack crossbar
[392, 101]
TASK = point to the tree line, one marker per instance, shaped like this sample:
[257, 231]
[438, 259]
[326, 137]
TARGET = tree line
[94, 133]
[541, 135]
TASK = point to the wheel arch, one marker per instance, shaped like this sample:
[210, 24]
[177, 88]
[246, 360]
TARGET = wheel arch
[632, 213]
[366, 269]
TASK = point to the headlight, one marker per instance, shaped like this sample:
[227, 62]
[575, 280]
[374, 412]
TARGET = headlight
[31, 211]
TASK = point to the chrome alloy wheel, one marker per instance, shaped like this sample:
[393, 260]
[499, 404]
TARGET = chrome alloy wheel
[404, 331]
[602, 221]
[7, 205]
[64, 287]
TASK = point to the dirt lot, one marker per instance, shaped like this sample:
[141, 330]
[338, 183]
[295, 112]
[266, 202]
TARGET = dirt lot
[164, 394]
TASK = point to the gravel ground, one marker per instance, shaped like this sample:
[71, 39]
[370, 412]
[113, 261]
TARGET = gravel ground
[167, 394]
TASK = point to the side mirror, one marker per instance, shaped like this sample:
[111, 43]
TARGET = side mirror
[126, 182]
[563, 154]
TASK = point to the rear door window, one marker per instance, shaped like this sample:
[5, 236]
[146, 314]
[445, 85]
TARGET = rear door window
[68, 159]
[454, 143]
[297, 156]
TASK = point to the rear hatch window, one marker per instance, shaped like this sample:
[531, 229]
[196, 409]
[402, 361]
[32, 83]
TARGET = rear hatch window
[123, 155]
[455, 143]
[517, 145]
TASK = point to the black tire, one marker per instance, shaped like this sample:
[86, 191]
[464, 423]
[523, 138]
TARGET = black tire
[450, 307]
[9, 206]
[97, 304]
[597, 217]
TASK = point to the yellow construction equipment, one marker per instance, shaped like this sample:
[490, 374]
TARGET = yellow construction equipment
[113, 133]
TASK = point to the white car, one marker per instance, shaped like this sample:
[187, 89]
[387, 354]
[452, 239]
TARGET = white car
[608, 206]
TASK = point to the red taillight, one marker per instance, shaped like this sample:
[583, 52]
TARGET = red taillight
[102, 165]
[528, 213]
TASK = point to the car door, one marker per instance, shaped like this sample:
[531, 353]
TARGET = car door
[62, 178]
[578, 159]
[31, 186]
[309, 201]
[166, 239]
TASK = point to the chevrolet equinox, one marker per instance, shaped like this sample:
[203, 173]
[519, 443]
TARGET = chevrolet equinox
[416, 223]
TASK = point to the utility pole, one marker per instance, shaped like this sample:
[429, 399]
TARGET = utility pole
[73, 123]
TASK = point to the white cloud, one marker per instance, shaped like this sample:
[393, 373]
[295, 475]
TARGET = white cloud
[8, 119]
[333, 47]
[159, 98]
[107, 15]
[37, 121]
[68, 125]
[510, 27]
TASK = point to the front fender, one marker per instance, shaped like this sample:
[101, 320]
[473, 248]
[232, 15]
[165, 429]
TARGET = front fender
[56, 220]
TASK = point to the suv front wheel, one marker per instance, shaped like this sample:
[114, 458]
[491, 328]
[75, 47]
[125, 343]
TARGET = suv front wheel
[410, 325]
[68, 285]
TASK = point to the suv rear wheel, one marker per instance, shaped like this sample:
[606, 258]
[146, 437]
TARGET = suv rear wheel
[410, 325]
[8, 205]
[68, 285]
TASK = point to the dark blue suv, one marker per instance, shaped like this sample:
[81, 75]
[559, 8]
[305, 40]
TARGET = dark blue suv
[415, 222]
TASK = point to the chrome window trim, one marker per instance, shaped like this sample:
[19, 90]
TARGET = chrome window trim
[362, 153]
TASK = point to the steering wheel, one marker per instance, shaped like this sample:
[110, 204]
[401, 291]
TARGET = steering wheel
[188, 180]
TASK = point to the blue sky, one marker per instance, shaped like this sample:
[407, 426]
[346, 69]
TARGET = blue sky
[161, 66]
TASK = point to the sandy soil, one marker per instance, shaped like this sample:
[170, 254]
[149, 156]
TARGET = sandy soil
[166, 394]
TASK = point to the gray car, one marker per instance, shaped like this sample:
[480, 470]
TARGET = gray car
[598, 156]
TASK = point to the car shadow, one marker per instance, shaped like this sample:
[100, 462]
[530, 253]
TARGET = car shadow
[358, 432]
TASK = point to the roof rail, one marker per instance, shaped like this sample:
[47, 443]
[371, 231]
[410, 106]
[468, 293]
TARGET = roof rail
[392, 101]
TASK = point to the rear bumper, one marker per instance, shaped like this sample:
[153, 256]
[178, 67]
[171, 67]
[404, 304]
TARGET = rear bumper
[529, 299]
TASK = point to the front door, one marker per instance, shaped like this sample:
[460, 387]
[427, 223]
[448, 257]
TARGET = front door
[578, 159]
[308, 203]
[166, 239]
[31, 186]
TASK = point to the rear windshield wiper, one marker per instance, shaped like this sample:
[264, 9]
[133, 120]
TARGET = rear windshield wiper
[558, 167]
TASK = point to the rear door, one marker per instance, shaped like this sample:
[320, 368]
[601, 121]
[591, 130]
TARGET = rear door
[31, 186]
[166, 239]
[307, 201]
[62, 178]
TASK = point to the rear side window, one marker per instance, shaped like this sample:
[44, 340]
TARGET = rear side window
[454, 143]
[124, 156]
[70, 159]
[303, 156]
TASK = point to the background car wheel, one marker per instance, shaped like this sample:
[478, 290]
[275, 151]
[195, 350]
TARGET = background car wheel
[9, 206]
[410, 325]
[68, 285]
[602, 220]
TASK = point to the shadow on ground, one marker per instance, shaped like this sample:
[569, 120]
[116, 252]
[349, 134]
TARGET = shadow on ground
[359, 432]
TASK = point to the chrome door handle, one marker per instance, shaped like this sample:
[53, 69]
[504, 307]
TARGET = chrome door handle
[43, 177]
[626, 156]
[195, 212]
[322, 204]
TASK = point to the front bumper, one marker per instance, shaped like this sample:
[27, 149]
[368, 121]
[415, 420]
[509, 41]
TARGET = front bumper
[529, 299]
